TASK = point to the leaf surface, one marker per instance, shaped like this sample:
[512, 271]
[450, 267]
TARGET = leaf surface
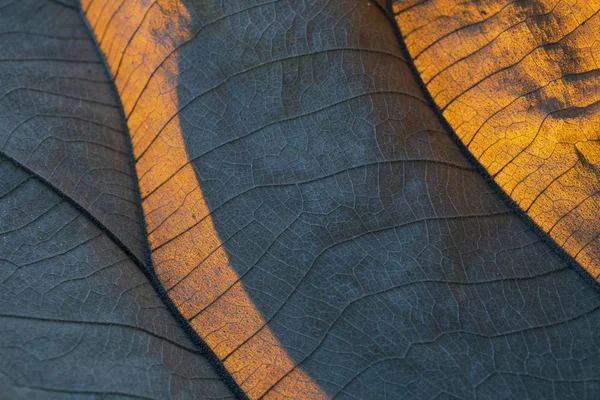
[306, 210]
[311, 217]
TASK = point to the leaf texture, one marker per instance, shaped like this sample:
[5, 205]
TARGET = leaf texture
[58, 116]
[311, 217]
[519, 83]
[78, 318]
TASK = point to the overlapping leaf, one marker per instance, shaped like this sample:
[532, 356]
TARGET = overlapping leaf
[519, 83]
[78, 319]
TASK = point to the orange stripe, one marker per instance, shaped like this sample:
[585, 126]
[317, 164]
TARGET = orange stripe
[187, 251]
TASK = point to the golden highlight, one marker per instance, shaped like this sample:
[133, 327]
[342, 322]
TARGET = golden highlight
[519, 82]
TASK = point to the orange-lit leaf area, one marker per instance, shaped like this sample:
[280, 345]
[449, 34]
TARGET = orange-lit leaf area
[141, 41]
[519, 83]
